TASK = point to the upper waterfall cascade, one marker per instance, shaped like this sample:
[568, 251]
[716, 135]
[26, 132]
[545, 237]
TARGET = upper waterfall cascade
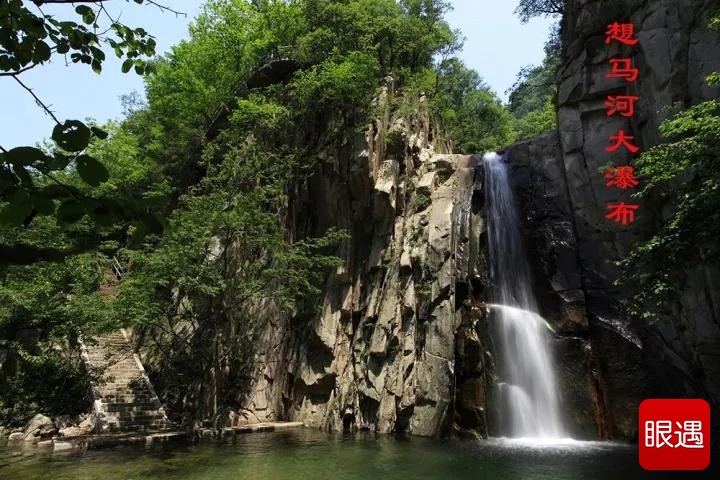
[528, 398]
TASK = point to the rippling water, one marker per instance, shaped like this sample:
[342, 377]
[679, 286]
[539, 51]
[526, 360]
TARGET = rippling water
[306, 454]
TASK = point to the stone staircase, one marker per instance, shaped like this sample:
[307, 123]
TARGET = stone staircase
[125, 401]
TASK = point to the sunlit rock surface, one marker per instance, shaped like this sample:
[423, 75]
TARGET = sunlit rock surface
[400, 342]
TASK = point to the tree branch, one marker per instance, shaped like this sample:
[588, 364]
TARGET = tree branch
[112, 20]
[37, 100]
[75, 193]
[165, 8]
[556, 7]
[12, 74]
[162, 7]
[42, 2]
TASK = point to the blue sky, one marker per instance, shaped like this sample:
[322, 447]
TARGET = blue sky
[497, 45]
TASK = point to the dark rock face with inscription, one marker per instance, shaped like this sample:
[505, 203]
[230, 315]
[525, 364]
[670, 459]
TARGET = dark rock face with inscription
[564, 197]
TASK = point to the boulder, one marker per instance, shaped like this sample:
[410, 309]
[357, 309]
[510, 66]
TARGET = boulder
[39, 427]
[77, 427]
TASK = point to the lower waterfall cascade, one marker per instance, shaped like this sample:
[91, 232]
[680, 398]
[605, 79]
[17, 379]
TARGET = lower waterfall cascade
[528, 402]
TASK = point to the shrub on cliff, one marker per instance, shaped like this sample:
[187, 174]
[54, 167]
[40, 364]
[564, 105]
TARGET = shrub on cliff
[683, 173]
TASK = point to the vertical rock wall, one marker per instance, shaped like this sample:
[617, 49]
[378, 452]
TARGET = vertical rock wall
[560, 181]
[381, 353]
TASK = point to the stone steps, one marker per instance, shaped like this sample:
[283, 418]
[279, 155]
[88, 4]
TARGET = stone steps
[127, 400]
[136, 427]
[132, 412]
[112, 406]
[152, 417]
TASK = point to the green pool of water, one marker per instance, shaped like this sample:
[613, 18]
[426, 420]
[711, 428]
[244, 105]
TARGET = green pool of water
[306, 454]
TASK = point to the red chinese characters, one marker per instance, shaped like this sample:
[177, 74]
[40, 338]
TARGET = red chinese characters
[622, 139]
[621, 32]
[621, 177]
[622, 105]
[622, 213]
[623, 68]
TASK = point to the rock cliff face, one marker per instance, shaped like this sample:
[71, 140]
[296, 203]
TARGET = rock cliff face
[381, 354]
[401, 342]
[564, 198]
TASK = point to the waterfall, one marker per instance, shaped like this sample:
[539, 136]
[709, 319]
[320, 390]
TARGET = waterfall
[527, 399]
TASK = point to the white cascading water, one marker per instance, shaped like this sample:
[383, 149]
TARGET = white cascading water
[528, 400]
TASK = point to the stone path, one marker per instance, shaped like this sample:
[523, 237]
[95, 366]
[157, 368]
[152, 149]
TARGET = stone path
[254, 428]
[124, 398]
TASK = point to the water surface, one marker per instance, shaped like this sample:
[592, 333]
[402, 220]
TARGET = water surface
[306, 454]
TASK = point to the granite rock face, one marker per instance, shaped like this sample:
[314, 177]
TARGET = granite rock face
[381, 354]
[401, 343]
[559, 179]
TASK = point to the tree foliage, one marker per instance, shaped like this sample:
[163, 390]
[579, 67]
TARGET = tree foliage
[220, 149]
[532, 97]
[192, 292]
[44, 309]
[683, 172]
[472, 115]
[528, 9]
[31, 37]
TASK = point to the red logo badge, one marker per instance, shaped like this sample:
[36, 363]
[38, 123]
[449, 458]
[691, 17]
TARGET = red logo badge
[674, 435]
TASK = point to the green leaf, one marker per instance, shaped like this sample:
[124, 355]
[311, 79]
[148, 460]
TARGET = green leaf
[87, 13]
[23, 175]
[91, 171]
[98, 54]
[18, 208]
[57, 162]
[5, 63]
[25, 155]
[73, 135]
[43, 204]
[127, 65]
[7, 180]
[42, 52]
[99, 133]
[70, 211]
